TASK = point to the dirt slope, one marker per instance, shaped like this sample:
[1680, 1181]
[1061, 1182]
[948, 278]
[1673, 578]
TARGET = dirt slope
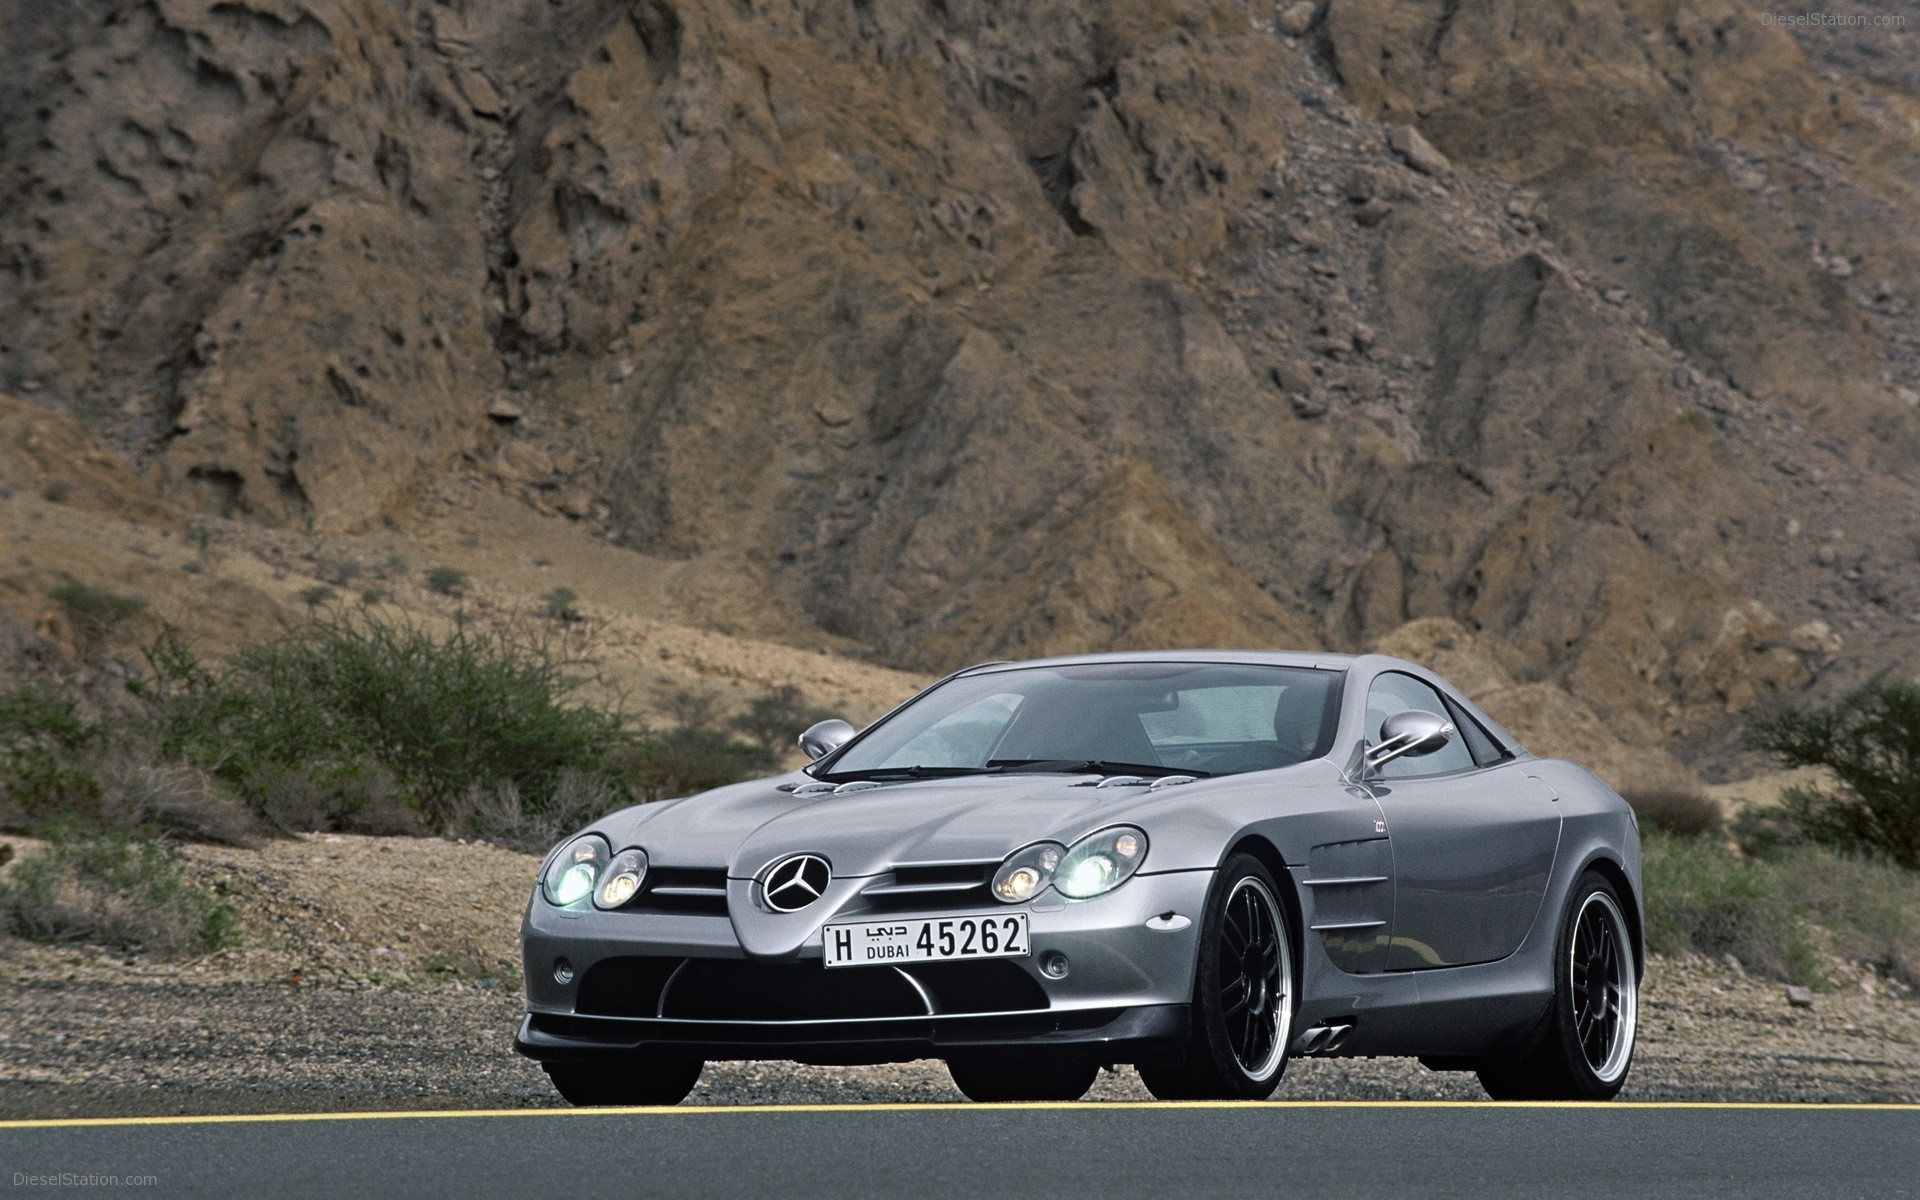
[948, 331]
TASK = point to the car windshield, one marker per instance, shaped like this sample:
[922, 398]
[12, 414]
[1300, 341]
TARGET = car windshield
[1112, 718]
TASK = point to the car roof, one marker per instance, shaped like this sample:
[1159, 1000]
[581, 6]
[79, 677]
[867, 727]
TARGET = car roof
[1264, 658]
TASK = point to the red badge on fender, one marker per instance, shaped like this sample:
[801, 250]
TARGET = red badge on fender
[1379, 826]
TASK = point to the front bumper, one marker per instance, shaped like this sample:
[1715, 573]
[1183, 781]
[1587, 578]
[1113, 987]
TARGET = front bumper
[1110, 1035]
[684, 981]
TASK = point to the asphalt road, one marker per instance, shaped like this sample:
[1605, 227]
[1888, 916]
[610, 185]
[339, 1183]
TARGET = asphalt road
[982, 1152]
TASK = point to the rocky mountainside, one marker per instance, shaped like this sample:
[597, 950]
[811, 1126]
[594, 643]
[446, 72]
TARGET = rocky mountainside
[953, 329]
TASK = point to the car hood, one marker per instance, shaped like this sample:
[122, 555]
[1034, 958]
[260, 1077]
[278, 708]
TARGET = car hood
[747, 826]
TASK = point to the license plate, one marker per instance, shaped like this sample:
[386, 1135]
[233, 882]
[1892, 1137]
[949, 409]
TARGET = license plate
[931, 939]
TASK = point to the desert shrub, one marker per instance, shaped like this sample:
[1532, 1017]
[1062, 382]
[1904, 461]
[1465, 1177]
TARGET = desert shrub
[1870, 740]
[1677, 811]
[691, 708]
[448, 581]
[1703, 896]
[348, 797]
[116, 892]
[499, 814]
[337, 569]
[563, 605]
[60, 773]
[437, 713]
[775, 720]
[42, 738]
[677, 762]
[145, 798]
[97, 614]
[1766, 830]
[37, 714]
[1869, 908]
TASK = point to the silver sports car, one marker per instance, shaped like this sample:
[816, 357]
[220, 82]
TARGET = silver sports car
[1200, 863]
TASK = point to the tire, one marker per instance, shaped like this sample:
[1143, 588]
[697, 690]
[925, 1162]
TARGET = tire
[1583, 1048]
[640, 1082]
[1021, 1076]
[1244, 995]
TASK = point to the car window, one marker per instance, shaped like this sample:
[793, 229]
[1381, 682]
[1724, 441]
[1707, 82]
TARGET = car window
[1211, 718]
[1480, 743]
[1393, 693]
[1219, 714]
[963, 737]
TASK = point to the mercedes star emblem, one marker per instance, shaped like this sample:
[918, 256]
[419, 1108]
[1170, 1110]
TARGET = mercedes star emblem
[793, 883]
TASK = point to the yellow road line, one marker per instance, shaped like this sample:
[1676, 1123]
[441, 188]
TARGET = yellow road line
[1055, 1106]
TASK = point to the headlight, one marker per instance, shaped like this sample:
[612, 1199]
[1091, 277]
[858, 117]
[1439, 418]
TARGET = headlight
[1100, 862]
[1027, 872]
[573, 872]
[621, 881]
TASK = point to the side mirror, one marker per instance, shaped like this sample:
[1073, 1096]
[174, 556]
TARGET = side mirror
[826, 737]
[1410, 734]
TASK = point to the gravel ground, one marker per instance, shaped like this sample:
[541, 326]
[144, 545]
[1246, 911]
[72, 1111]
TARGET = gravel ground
[380, 974]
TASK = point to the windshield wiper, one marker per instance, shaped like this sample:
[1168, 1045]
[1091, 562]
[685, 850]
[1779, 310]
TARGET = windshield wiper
[914, 772]
[1099, 766]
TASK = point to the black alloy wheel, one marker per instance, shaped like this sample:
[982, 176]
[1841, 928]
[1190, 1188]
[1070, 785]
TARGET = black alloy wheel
[1243, 995]
[1599, 975]
[1584, 1046]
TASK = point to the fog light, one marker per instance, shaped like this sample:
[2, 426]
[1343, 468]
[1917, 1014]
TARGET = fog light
[1053, 965]
[562, 971]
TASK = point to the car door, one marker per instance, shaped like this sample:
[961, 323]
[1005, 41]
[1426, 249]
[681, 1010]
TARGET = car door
[1473, 838]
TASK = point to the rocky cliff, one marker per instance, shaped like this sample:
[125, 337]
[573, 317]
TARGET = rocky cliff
[961, 329]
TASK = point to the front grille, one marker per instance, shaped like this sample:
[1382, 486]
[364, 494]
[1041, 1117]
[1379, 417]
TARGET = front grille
[990, 985]
[700, 890]
[939, 885]
[720, 989]
[714, 989]
[625, 987]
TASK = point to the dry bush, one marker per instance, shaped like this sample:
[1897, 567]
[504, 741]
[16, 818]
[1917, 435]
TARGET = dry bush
[1703, 896]
[1676, 811]
[113, 892]
[1870, 906]
[96, 614]
[500, 814]
[1778, 915]
[353, 797]
[174, 801]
